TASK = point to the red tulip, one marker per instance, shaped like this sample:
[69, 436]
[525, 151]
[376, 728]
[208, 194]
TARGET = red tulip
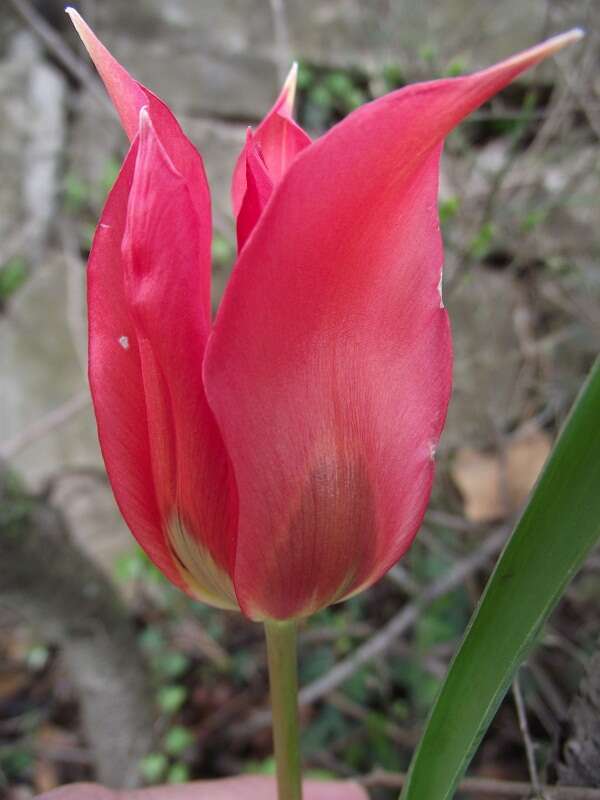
[279, 458]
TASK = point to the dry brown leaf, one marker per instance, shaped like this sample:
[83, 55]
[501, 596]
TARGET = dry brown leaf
[478, 477]
[525, 457]
[495, 486]
[45, 776]
[11, 683]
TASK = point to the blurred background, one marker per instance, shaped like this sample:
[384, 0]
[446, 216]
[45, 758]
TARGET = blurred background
[108, 673]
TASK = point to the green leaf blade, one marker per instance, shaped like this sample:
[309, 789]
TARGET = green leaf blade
[552, 539]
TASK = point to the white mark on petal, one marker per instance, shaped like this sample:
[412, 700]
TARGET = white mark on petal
[432, 450]
[124, 342]
[104, 225]
[440, 291]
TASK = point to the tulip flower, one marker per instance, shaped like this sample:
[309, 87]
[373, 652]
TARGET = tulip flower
[280, 457]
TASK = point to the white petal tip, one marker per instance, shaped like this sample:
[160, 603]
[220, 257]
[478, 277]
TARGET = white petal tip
[563, 39]
[576, 34]
[543, 50]
[145, 124]
[289, 87]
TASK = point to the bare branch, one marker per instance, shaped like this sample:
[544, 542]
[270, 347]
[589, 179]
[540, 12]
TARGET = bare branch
[45, 425]
[55, 45]
[527, 740]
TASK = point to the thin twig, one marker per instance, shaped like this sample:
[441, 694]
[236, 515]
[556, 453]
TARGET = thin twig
[527, 740]
[384, 639]
[56, 46]
[507, 789]
[45, 425]
[401, 578]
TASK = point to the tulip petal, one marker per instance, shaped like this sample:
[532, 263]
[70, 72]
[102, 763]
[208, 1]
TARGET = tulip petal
[276, 143]
[258, 190]
[115, 373]
[125, 92]
[163, 253]
[329, 368]
[129, 97]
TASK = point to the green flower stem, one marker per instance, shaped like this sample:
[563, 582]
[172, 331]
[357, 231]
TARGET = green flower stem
[283, 677]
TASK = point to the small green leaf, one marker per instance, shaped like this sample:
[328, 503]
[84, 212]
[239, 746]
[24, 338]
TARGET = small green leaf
[178, 773]
[153, 767]
[456, 68]
[558, 529]
[172, 664]
[481, 244]
[223, 252]
[13, 275]
[449, 208]
[171, 698]
[265, 767]
[177, 740]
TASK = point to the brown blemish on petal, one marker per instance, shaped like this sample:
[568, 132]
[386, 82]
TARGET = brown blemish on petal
[327, 547]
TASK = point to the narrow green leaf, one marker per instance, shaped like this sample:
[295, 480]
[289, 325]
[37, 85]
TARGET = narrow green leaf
[557, 530]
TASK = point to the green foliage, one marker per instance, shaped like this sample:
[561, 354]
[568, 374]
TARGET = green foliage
[382, 752]
[171, 664]
[321, 661]
[265, 767]
[171, 698]
[393, 77]
[15, 761]
[153, 767]
[223, 251]
[533, 219]
[13, 275]
[482, 243]
[449, 208]
[557, 530]
[76, 193]
[177, 740]
[15, 505]
[455, 68]
[428, 54]
[326, 728]
[178, 773]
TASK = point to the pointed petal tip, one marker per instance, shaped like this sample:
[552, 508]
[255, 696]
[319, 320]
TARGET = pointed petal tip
[547, 48]
[146, 129]
[145, 121]
[561, 40]
[575, 34]
[289, 87]
[150, 141]
[77, 20]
